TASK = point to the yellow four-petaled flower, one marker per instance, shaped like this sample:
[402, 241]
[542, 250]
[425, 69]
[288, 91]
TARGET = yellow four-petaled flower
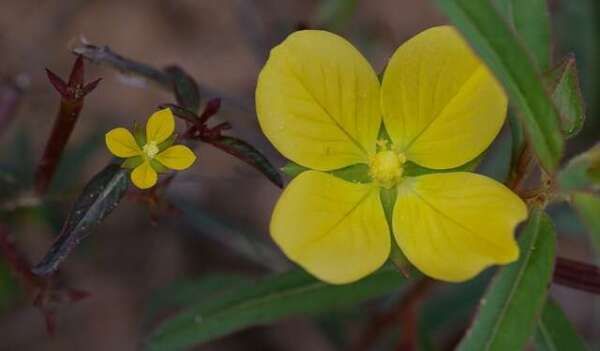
[150, 153]
[321, 105]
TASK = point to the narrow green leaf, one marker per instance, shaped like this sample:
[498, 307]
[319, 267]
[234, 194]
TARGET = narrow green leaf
[492, 38]
[555, 332]
[191, 292]
[531, 21]
[97, 200]
[563, 82]
[582, 173]
[289, 294]
[508, 311]
[247, 153]
[588, 209]
[185, 88]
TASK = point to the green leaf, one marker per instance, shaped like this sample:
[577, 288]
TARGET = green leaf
[563, 82]
[247, 153]
[288, 294]
[588, 209]
[582, 173]
[190, 292]
[555, 332]
[508, 311]
[492, 38]
[531, 21]
[185, 88]
[97, 200]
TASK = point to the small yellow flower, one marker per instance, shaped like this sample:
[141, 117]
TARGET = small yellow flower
[321, 105]
[150, 152]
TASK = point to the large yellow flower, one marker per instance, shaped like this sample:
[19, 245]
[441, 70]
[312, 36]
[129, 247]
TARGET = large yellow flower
[321, 105]
[151, 151]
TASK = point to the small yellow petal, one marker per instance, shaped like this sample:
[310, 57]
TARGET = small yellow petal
[317, 100]
[144, 176]
[451, 226]
[334, 229]
[121, 143]
[160, 126]
[441, 105]
[178, 157]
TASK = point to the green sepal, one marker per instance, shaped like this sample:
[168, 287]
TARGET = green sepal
[132, 162]
[292, 169]
[358, 173]
[158, 167]
[412, 169]
[139, 134]
[563, 84]
[397, 257]
[167, 143]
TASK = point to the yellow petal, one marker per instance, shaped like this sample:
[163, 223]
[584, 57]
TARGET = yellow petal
[451, 226]
[160, 126]
[144, 176]
[177, 157]
[441, 105]
[317, 101]
[121, 143]
[334, 229]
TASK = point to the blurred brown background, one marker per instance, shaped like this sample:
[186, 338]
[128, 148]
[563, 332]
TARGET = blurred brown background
[223, 44]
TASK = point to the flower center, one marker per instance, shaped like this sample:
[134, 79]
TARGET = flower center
[150, 150]
[386, 167]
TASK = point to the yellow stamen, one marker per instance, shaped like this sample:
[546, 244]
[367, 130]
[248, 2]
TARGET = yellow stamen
[150, 150]
[386, 168]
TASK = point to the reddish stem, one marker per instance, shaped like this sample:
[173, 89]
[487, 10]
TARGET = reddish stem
[72, 97]
[577, 275]
[46, 293]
